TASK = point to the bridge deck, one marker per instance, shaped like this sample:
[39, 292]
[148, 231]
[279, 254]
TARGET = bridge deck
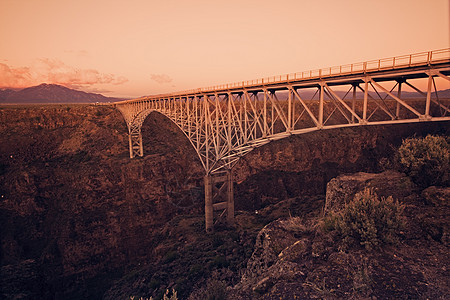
[405, 73]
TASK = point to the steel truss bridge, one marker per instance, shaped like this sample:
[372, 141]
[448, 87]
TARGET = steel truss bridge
[225, 122]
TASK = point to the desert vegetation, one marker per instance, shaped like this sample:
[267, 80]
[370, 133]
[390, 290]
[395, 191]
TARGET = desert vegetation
[367, 220]
[426, 160]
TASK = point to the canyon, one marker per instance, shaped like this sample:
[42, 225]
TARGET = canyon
[80, 219]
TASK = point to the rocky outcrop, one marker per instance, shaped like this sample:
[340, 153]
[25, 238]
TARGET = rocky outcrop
[274, 259]
[435, 221]
[22, 281]
[430, 217]
[264, 266]
[296, 258]
[342, 189]
[437, 196]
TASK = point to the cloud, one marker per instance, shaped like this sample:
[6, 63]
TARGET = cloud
[57, 72]
[94, 90]
[161, 78]
[14, 77]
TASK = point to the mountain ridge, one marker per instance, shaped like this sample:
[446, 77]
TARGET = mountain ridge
[51, 93]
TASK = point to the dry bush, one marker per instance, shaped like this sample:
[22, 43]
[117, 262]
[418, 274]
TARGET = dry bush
[426, 160]
[214, 290]
[367, 220]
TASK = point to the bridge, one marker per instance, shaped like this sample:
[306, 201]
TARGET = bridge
[225, 122]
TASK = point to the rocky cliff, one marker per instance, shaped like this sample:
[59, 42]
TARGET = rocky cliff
[76, 214]
[73, 201]
[294, 258]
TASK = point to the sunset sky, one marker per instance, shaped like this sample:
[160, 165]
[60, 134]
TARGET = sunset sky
[142, 47]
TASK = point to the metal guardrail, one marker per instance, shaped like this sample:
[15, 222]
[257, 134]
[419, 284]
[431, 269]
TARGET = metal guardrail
[397, 62]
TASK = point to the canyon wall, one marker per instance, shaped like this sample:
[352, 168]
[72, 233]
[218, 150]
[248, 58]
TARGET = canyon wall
[76, 212]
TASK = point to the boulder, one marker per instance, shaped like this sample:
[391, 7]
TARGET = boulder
[437, 196]
[342, 189]
[21, 281]
[275, 250]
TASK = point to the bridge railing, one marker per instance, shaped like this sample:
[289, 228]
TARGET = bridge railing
[397, 62]
[422, 58]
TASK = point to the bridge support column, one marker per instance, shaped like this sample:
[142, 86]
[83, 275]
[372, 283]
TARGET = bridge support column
[209, 212]
[135, 141]
[366, 95]
[321, 105]
[428, 102]
[230, 199]
[399, 95]
[219, 196]
[354, 85]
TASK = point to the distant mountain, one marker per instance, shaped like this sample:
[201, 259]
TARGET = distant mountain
[51, 93]
[4, 94]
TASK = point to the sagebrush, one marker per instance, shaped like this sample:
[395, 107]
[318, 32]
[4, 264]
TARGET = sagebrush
[426, 160]
[367, 220]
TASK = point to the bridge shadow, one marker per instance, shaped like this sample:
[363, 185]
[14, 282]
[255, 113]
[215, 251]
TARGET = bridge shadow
[164, 141]
[161, 135]
[302, 165]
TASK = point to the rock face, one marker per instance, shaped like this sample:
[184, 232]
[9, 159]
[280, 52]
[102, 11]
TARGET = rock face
[437, 196]
[73, 201]
[22, 281]
[272, 257]
[438, 226]
[342, 189]
[295, 258]
[431, 203]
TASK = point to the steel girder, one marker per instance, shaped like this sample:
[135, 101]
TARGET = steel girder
[222, 126]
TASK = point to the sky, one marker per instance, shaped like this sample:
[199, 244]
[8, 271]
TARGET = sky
[132, 48]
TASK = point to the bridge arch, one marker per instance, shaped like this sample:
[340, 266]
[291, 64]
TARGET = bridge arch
[134, 125]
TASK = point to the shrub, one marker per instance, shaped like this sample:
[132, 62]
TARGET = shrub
[196, 270]
[218, 262]
[367, 220]
[170, 257]
[426, 160]
[214, 290]
[165, 296]
[154, 283]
